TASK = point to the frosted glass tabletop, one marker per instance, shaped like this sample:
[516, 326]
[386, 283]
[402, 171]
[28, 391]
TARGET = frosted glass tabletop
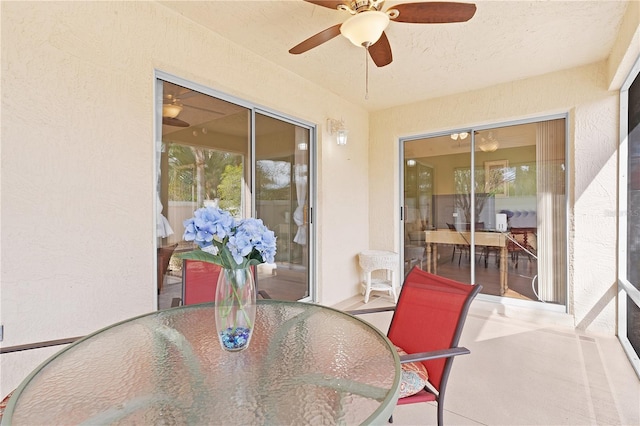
[306, 364]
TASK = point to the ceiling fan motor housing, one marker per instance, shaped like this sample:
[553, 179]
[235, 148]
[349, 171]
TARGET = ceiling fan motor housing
[357, 6]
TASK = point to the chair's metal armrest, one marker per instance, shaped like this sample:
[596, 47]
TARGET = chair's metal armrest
[371, 310]
[425, 356]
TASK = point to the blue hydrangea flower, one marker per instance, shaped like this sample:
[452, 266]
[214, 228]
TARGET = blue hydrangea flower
[230, 244]
[267, 248]
[208, 223]
[240, 246]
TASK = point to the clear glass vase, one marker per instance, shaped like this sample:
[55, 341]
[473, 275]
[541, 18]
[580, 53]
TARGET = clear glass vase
[235, 308]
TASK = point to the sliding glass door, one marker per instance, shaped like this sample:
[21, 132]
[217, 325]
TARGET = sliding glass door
[282, 195]
[488, 206]
[629, 220]
[225, 153]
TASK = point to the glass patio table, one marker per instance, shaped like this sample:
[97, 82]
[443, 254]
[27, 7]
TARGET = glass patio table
[306, 364]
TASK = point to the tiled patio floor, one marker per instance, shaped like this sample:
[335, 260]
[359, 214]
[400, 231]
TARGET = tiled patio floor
[521, 373]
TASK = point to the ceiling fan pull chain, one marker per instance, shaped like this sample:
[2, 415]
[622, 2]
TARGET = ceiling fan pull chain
[366, 72]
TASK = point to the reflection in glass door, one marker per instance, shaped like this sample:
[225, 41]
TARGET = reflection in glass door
[418, 198]
[208, 156]
[282, 194]
[497, 209]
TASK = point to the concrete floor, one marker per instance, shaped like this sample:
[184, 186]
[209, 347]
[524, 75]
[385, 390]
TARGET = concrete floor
[527, 373]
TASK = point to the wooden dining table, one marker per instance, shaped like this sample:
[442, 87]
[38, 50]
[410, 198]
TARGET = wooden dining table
[481, 238]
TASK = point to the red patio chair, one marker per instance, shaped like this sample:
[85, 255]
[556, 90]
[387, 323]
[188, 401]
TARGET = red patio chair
[199, 282]
[3, 404]
[427, 324]
[164, 256]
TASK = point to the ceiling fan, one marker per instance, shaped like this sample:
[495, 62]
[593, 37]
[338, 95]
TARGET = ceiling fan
[174, 104]
[171, 107]
[367, 24]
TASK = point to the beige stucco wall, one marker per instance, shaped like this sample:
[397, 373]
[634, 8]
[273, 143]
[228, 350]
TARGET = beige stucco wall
[77, 176]
[589, 95]
[626, 48]
[593, 137]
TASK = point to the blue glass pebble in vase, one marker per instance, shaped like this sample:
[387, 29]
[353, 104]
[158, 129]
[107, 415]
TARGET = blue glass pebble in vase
[235, 308]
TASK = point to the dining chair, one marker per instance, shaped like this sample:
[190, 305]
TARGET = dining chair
[462, 248]
[164, 256]
[199, 282]
[520, 242]
[485, 251]
[425, 328]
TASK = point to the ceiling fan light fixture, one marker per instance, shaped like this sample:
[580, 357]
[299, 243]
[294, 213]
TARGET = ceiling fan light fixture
[489, 146]
[365, 29]
[171, 110]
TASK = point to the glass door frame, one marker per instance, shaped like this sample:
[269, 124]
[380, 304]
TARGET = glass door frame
[160, 76]
[311, 182]
[562, 308]
[626, 289]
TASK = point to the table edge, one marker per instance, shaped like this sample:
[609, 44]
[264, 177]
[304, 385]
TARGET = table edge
[385, 408]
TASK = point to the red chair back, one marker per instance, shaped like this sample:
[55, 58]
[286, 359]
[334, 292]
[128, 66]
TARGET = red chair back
[429, 316]
[164, 256]
[199, 281]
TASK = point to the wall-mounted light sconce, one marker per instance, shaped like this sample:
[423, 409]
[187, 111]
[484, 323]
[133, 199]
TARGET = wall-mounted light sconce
[411, 162]
[337, 128]
[302, 146]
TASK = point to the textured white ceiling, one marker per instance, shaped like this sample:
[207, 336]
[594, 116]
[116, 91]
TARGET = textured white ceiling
[504, 41]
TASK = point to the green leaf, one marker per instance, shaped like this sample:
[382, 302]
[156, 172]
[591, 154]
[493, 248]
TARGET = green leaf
[227, 260]
[201, 256]
[252, 262]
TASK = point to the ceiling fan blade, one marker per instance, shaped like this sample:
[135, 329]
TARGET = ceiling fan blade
[381, 51]
[316, 40]
[434, 12]
[330, 4]
[175, 122]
